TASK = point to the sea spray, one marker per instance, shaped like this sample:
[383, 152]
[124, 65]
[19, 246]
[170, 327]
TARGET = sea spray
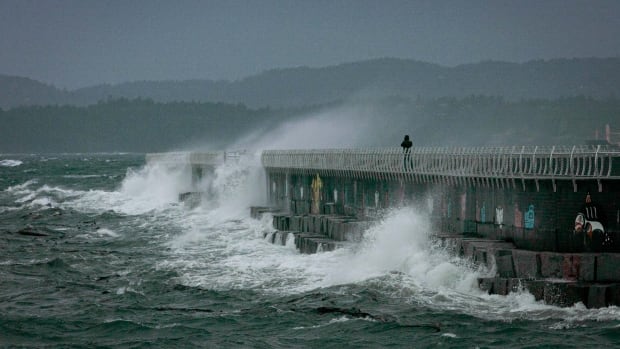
[157, 184]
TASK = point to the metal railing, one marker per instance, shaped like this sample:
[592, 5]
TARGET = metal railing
[424, 163]
[213, 158]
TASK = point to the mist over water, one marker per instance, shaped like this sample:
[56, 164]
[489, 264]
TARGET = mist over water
[351, 125]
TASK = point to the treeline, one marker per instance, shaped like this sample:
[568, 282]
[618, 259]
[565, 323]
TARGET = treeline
[142, 125]
[481, 120]
[137, 125]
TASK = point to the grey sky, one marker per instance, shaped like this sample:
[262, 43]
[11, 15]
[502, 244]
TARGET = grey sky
[75, 43]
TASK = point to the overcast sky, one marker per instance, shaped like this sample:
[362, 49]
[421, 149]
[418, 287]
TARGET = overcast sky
[79, 43]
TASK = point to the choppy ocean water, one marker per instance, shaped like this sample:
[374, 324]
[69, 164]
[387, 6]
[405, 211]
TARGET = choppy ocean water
[96, 251]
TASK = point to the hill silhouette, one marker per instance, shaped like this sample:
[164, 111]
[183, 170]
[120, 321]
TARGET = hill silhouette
[295, 87]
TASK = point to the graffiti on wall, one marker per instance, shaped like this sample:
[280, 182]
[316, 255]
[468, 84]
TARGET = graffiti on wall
[529, 217]
[463, 205]
[590, 220]
[518, 216]
[317, 185]
[499, 216]
[483, 213]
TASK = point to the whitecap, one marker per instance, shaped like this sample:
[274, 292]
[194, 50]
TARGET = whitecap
[10, 163]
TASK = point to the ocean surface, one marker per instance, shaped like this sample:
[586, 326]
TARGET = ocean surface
[96, 251]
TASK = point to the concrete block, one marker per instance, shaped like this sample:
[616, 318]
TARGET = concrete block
[613, 294]
[280, 222]
[285, 223]
[311, 244]
[469, 248]
[324, 223]
[526, 263]
[295, 223]
[597, 296]
[353, 231]
[486, 284]
[579, 267]
[564, 294]
[514, 284]
[317, 224]
[536, 288]
[608, 267]
[311, 220]
[505, 266]
[551, 265]
[500, 286]
[305, 242]
[480, 256]
[339, 231]
[334, 229]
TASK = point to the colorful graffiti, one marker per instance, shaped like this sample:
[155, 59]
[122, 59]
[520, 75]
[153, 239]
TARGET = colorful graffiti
[518, 217]
[317, 185]
[530, 216]
[591, 221]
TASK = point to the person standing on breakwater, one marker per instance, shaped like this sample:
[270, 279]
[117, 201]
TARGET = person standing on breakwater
[406, 144]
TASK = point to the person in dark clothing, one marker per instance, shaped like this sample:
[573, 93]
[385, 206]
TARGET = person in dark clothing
[406, 144]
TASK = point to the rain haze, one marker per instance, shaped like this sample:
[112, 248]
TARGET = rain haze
[74, 44]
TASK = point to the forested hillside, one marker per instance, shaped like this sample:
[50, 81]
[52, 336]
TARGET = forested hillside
[142, 125]
[294, 87]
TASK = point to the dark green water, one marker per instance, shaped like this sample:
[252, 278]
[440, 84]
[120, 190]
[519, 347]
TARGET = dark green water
[96, 252]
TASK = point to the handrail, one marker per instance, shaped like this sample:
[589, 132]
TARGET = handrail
[211, 158]
[529, 162]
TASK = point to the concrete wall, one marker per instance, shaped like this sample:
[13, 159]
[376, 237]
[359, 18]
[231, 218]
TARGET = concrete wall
[535, 216]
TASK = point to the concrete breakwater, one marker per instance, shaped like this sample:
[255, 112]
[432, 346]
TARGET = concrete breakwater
[313, 233]
[546, 219]
[561, 279]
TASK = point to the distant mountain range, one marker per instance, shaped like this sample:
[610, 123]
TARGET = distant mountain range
[302, 86]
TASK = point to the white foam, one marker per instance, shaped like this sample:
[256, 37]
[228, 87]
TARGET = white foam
[21, 188]
[154, 187]
[10, 163]
[104, 232]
